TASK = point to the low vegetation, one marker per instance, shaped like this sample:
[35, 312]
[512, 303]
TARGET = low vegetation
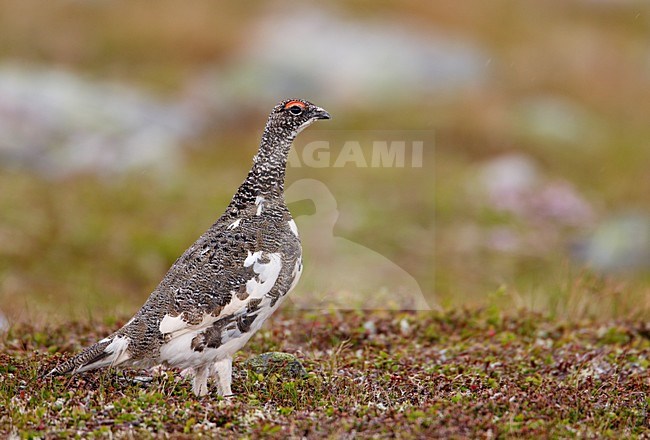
[460, 374]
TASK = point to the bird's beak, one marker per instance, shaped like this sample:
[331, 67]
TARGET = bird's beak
[320, 113]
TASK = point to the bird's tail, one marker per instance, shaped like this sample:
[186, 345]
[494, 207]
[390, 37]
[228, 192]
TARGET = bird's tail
[110, 351]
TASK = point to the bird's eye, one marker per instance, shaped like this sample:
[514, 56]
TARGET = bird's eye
[295, 110]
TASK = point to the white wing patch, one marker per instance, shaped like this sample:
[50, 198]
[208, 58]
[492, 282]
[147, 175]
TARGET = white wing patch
[267, 272]
[293, 227]
[234, 224]
[297, 271]
[176, 325]
[171, 324]
[177, 351]
[252, 258]
[235, 305]
[259, 202]
[118, 349]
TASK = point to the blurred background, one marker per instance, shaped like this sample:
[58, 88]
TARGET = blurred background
[125, 128]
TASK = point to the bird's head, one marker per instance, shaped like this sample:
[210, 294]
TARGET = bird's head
[294, 115]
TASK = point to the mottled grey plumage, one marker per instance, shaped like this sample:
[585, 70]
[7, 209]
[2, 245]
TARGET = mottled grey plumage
[220, 291]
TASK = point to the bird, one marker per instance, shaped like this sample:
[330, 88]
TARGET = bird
[220, 291]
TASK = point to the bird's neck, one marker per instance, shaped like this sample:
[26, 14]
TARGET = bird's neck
[266, 177]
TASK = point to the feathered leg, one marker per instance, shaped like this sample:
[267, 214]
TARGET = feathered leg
[223, 370]
[200, 382]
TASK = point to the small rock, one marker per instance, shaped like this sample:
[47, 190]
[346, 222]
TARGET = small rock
[370, 327]
[142, 380]
[276, 362]
[404, 327]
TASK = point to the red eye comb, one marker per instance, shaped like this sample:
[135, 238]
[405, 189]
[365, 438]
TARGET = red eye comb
[292, 103]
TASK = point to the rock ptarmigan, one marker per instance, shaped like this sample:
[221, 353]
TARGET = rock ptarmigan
[223, 288]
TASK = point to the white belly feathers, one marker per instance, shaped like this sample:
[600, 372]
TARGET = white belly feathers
[179, 349]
